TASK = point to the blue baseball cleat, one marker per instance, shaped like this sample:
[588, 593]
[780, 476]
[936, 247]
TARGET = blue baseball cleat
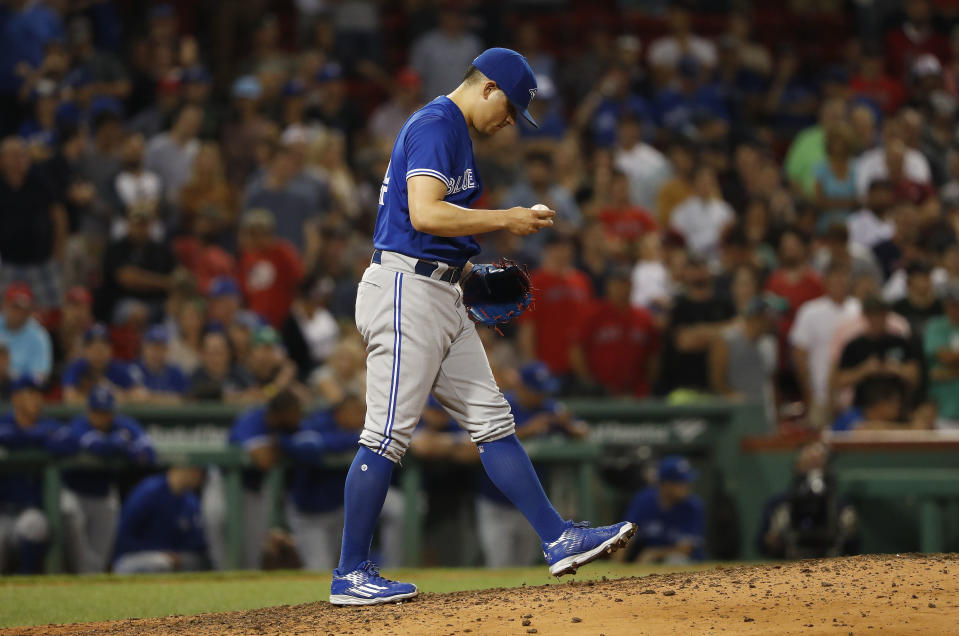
[365, 586]
[579, 544]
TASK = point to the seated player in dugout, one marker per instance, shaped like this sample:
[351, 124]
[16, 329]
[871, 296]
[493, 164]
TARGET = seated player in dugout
[670, 518]
[24, 532]
[161, 526]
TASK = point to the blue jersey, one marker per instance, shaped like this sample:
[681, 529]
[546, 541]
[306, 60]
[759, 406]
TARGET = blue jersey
[313, 488]
[661, 528]
[251, 432]
[117, 374]
[155, 518]
[170, 379]
[434, 141]
[22, 488]
[125, 440]
[521, 417]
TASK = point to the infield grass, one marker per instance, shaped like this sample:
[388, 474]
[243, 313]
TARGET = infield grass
[42, 600]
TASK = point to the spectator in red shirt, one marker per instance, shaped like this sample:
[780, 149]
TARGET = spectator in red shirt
[622, 220]
[914, 37]
[795, 280]
[199, 253]
[270, 268]
[618, 344]
[547, 331]
[873, 82]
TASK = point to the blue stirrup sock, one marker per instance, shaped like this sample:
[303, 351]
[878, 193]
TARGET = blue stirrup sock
[366, 486]
[509, 468]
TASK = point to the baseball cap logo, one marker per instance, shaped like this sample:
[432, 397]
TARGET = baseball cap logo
[532, 94]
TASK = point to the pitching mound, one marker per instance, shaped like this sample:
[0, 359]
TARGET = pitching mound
[911, 594]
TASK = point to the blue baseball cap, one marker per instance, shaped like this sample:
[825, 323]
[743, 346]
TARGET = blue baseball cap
[223, 286]
[512, 73]
[537, 377]
[25, 382]
[247, 87]
[675, 468]
[101, 399]
[157, 334]
[97, 331]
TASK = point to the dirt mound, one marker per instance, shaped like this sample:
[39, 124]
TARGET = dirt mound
[909, 594]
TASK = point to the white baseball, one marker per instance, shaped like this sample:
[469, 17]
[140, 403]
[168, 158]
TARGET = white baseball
[539, 206]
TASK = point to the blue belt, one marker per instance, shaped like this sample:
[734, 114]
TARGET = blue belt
[426, 268]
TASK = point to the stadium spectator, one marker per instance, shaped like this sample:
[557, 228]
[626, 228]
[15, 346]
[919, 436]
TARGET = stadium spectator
[671, 521]
[90, 496]
[76, 317]
[688, 101]
[697, 319]
[295, 210]
[328, 162]
[137, 187]
[164, 383]
[343, 373]
[913, 37]
[33, 226]
[611, 99]
[872, 82]
[310, 332]
[389, 117]
[644, 166]
[618, 345]
[441, 55]
[676, 189]
[136, 271]
[794, 280]
[835, 179]
[652, 286]
[269, 368]
[504, 537]
[918, 302]
[217, 378]
[315, 506]
[836, 248]
[540, 186]
[224, 301]
[892, 155]
[24, 531]
[160, 527]
[808, 148]
[665, 53]
[27, 343]
[811, 339]
[563, 291]
[743, 360]
[186, 335]
[879, 407]
[702, 217]
[170, 154]
[878, 355]
[270, 268]
[207, 195]
[941, 346]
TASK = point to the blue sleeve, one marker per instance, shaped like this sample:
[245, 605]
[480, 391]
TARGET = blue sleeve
[73, 372]
[139, 448]
[120, 375]
[135, 514]
[430, 147]
[249, 430]
[10, 435]
[93, 441]
[62, 441]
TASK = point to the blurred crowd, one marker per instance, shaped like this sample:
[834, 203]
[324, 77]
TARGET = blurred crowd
[188, 191]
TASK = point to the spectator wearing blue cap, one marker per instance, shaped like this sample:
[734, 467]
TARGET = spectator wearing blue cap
[164, 382]
[90, 496]
[224, 301]
[681, 105]
[23, 527]
[670, 518]
[95, 368]
[610, 100]
[161, 525]
[506, 538]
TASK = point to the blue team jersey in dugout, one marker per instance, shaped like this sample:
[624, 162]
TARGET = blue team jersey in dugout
[435, 142]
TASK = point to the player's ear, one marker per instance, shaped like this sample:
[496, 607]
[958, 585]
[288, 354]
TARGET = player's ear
[488, 88]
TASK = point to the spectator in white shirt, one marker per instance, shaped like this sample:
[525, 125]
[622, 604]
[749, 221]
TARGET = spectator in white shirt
[701, 218]
[870, 226]
[647, 168]
[653, 286]
[171, 154]
[811, 338]
[137, 187]
[665, 52]
[874, 164]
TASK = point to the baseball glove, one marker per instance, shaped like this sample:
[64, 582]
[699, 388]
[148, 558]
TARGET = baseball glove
[496, 293]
